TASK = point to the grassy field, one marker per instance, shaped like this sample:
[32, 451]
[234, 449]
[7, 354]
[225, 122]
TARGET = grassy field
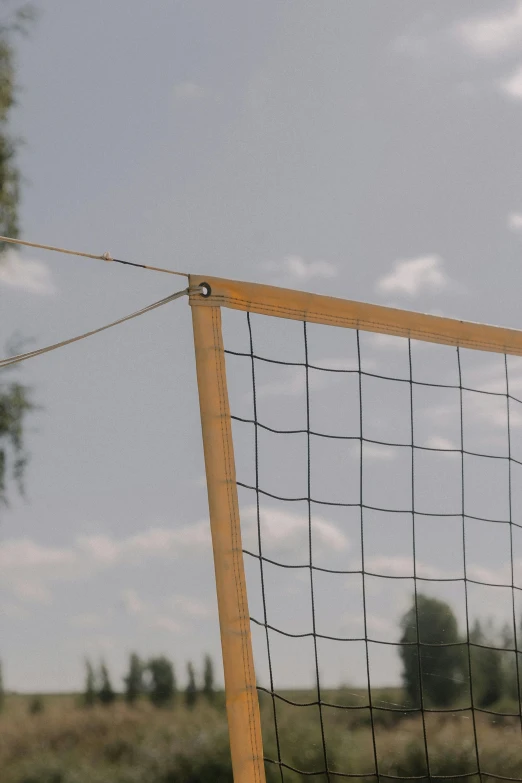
[66, 743]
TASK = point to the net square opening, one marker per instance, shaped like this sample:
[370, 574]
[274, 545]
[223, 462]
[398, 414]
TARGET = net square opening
[386, 410]
[334, 475]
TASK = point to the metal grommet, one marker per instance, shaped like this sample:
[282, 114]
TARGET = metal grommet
[206, 292]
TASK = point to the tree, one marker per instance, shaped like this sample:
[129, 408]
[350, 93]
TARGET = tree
[106, 693]
[134, 680]
[14, 397]
[162, 686]
[440, 669]
[191, 691]
[89, 694]
[208, 679]
[488, 675]
[9, 173]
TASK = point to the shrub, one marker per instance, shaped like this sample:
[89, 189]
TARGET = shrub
[36, 705]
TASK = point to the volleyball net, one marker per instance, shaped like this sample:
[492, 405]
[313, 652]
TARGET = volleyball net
[364, 470]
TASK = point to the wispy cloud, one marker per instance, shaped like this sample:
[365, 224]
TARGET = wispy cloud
[148, 614]
[512, 85]
[492, 34]
[25, 553]
[377, 625]
[438, 442]
[154, 542]
[414, 276]
[399, 565]
[374, 451]
[25, 274]
[514, 221]
[418, 38]
[411, 44]
[87, 620]
[296, 269]
[189, 91]
[402, 566]
[287, 531]
[292, 380]
[29, 569]
[132, 603]
[190, 607]
[292, 383]
[386, 341]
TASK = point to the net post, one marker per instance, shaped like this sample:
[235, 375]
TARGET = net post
[234, 620]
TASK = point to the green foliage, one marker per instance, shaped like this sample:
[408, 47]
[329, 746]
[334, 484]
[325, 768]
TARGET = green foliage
[439, 669]
[14, 22]
[208, 679]
[42, 772]
[512, 672]
[14, 398]
[2, 693]
[134, 685]
[36, 705]
[14, 405]
[89, 694]
[146, 745]
[488, 675]
[191, 691]
[106, 693]
[162, 686]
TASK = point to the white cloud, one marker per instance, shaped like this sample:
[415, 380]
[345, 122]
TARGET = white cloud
[491, 411]
[437, 442]
[11, 609]
[26, 274]
[132, 603]
[28, 569]
[514, 221]
[378, 625]
[397, 565]
[512, 85]
[190, 607]
[154, 542]
[293, 269]
[189, 91]
[292, 380]
[385, 341]
[286, 530]
[23, 553]
[100, 548]
[30, 591]
[291, 385]
[383, 626]
[148, 614]
[165, 623]
[419, 37]
[413, 276]
[492, 34]
[374, 451]
[337, 363]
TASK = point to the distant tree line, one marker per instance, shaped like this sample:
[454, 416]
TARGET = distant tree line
[439, 668]
[154, 679]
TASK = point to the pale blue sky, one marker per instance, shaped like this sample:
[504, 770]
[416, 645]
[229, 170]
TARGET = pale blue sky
[319, 146]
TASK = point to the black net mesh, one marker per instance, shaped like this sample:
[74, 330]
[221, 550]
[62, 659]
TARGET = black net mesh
[382, 518]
